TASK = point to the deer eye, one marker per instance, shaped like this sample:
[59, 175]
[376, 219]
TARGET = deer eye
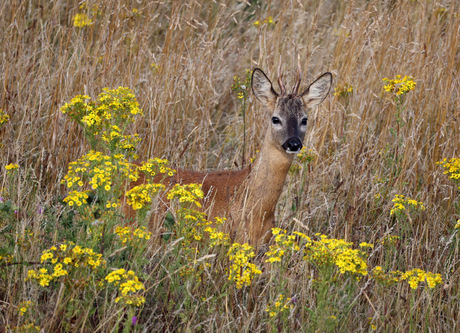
[276, 120]
[304, 121]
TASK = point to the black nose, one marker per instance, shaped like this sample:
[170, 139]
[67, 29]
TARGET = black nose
[292, 145]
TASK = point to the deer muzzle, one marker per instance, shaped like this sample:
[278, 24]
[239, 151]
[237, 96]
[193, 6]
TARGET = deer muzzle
[292, 145]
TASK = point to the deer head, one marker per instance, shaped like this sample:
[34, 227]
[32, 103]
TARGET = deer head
[289, 111]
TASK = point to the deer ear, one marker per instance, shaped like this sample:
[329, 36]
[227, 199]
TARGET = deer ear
[262, 87]
[318, 90]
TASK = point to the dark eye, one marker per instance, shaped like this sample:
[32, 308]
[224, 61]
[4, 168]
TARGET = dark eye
[304, 121]
[276, 120]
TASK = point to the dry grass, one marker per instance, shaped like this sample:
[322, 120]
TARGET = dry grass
[191, 118]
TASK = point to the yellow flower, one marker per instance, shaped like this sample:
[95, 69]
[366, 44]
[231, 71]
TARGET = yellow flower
[279, 305]
[241, 270]
[4, 118]
[398, 86]
[343, 90]
[81, 20]
[401, 203]
[11, 167]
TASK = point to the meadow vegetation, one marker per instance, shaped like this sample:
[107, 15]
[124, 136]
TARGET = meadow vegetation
[367, 235]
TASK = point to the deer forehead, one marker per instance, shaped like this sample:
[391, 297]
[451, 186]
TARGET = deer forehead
[290, 106]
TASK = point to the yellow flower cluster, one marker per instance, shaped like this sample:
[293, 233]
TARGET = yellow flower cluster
[4, 118]
[113, 107]
[451, 167]
[400, 203]
[283, 243]
[413, 277]
[23, 307]
[191, 193]
[141, 195]
[100, 169]
[217, 237]
[65, 258]
[129, 285]
[81, 20]
[268, 21]
[154, 166]
[457, 226]
[112, 204]
[385, 278]
[306, 156]
[241, 86]
[241, 270]
[389, 240]
[129, 235]
[114, 136]
[326, 251]
[27, 327]
[76, 197]
[193, 226]
[343, 90]
[41, 276]
[279, 305]
[11, 166]
[399, 86]
[6, 258]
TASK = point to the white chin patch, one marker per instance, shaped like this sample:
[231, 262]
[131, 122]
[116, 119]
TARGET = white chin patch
[292, 151]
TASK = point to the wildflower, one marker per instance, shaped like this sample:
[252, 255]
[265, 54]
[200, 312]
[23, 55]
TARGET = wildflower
[389, 240]
[129, 235]
[451, 167]
[306, 156]
[76, 197]
[283, 244]
[401, 203]
[11, 167]
[240, 86]
[241, 270]
[129, 285]
[279, 305]
[62, 261]
[217, 237]
[457, 226]
[187, 193]
[28, 327]
[156, 166]
[81, 20]
[269, 20]
[385, 278]
[399, 86]
[343, 90]
[4, 118]
[415, 276]
[141, 195]
[101, 118]
[23, 307]
[326, 251]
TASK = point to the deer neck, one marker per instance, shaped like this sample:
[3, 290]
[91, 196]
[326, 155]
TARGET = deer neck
[267, 177]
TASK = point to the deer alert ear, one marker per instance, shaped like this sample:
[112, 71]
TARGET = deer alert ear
[262, 87]
[318, 90]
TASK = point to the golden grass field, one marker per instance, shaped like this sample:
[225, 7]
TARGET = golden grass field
[364, 146]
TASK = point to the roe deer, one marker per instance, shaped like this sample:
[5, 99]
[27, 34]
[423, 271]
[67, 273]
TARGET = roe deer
[248, 197]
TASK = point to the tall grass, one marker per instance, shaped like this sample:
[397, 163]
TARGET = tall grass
[180, 58]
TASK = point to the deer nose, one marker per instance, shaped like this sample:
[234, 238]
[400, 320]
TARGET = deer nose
[292, 145]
